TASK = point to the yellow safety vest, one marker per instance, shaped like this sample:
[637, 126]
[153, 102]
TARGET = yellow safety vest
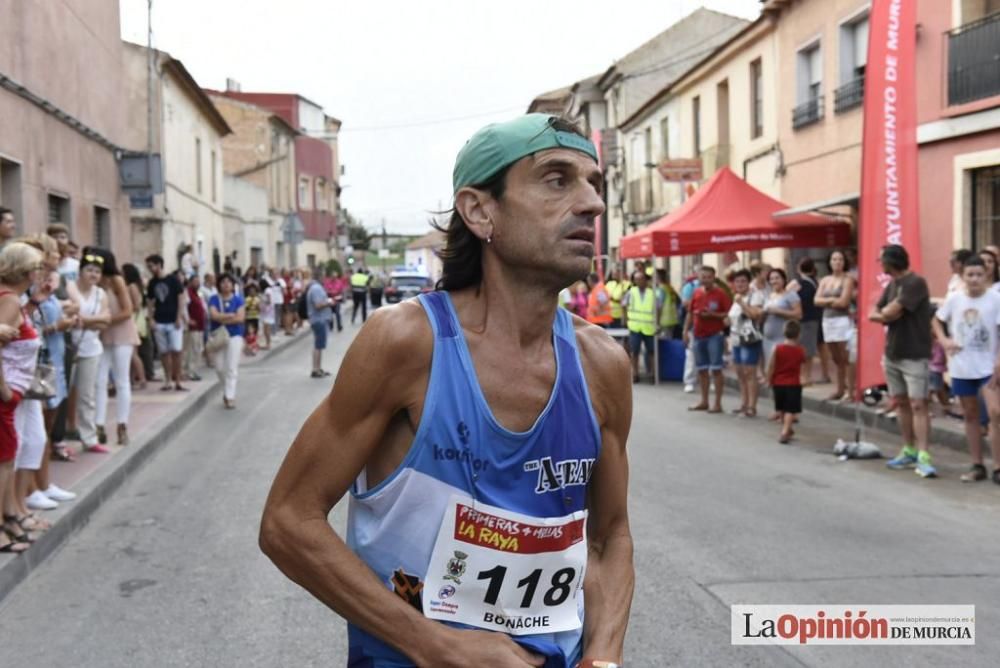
[359, 281]
[616, 290]
[668, 312]
[642, 311]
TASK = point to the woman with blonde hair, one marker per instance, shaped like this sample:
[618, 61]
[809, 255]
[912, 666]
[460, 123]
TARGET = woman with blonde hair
[35, 417]
[19, 264]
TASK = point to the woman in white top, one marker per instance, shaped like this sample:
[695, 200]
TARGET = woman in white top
[95, 315]
[834, 296]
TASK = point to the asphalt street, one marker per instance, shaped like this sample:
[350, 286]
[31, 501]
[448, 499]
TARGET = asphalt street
[168, 573]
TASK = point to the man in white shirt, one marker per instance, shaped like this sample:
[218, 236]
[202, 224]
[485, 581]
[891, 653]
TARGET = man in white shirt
[973, 318]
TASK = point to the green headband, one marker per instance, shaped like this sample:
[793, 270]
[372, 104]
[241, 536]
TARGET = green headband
[500, 145]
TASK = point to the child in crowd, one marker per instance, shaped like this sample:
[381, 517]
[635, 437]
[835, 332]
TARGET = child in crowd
[252, 318]
[784, 373]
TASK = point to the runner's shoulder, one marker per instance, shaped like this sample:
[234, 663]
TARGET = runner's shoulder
[605, 362]
[398, 335]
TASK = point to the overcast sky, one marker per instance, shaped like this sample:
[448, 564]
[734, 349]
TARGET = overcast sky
[442, 68]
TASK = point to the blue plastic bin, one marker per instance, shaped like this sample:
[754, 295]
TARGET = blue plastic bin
[671, 359]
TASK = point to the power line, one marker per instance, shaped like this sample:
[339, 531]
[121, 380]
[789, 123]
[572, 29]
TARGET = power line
[437, 121]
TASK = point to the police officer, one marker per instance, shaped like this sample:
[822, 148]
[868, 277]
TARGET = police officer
[359, 294]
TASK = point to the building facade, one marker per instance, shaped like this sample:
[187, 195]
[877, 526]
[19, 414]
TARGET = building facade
[959, 129]
[627, 86]
[261, 151]
[186, 133]
[823, 47]
[61, 126]
[317, 173]
[721, 112]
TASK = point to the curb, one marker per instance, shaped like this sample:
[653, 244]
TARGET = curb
[871, 420]
[103, 483]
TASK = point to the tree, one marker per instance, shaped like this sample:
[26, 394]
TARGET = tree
[357, 235]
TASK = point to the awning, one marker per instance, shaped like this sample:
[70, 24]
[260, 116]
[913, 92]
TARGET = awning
[728, 214]
[841, 200]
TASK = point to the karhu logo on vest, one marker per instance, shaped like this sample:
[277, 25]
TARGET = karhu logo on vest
[553, 476]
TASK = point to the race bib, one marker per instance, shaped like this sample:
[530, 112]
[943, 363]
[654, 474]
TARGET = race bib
[503, 571]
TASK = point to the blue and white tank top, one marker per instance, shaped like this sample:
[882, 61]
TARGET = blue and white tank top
[460, 448]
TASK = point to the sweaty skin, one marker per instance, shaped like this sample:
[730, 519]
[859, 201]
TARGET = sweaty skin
[369, 420]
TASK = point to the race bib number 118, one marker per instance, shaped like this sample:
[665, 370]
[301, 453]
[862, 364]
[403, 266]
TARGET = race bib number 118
[503, 571]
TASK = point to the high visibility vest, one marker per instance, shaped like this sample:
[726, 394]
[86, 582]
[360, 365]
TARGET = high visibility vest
[668, 312]
[642, 311]
[359, 281]
[598, 311]
[616, 290]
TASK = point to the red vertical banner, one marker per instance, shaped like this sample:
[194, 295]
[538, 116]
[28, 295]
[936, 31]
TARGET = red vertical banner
[595, 137]
[889, 197]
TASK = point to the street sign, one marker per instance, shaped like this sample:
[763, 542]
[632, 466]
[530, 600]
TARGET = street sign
[292, 230]
[680, 170]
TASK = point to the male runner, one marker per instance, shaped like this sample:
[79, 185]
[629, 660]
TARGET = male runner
[455, 423]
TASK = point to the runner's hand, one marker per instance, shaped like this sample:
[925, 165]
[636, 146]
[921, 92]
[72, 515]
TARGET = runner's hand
[486, 648]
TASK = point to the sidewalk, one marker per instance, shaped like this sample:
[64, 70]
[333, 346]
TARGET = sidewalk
[945, 430]
[155, 416]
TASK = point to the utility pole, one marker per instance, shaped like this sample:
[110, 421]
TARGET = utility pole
[385, 247]
[149, 94]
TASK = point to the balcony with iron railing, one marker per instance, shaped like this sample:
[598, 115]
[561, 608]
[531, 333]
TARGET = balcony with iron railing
[849, 96]
[974, 61]
[808, 112]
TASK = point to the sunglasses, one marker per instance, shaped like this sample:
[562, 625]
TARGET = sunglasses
[93, 259]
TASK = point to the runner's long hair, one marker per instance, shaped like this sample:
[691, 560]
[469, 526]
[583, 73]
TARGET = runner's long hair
[462, 255]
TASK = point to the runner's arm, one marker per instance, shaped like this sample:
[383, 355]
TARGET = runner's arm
[610, 575]
[383, 374]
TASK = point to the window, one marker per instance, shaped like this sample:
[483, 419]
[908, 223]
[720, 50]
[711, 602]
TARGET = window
[311, 260]
[321, 195]
[809, 74]
[809, 87]
[256, 256]
[214, 186]
[305, 201]
[10, 188]
[853, 49]
[197, 164]
[756, 99]
[102, 227]
[696, 124]
[853, 58]
[665, 138]
[985, 206]
[59, 211]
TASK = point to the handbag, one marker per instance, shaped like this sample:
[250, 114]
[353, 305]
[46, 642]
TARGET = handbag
[217, 340]
[747, 332]
[43, 383]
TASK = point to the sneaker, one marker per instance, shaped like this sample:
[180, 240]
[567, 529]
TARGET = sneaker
[906, 459]
[57, 493]
[975, 474]
[97, 449]
[39, 501]
[924, 467]
[689, 389]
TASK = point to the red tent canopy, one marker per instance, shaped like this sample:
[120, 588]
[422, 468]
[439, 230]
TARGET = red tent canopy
[728, 214]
